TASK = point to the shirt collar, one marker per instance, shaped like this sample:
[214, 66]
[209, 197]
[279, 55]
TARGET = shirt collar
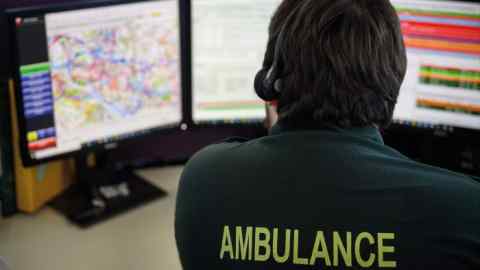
[369, 132]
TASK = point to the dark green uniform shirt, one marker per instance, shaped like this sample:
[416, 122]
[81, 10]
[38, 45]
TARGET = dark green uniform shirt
[323, 199]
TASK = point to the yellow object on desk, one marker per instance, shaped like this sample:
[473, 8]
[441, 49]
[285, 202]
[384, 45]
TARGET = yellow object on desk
[36, 186]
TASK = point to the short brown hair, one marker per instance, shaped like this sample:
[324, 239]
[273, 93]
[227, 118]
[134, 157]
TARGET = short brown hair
[343, 61]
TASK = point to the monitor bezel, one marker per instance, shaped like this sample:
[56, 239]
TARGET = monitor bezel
[27, 159]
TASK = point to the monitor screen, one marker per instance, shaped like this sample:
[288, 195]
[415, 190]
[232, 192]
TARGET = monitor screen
[97, 75]
[229, 42]
[442, 85]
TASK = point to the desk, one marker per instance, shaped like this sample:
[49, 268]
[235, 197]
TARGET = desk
[141, 239]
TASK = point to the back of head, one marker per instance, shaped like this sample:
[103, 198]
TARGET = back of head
[342, 61]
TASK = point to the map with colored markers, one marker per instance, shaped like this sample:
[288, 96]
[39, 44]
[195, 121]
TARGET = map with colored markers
[117, 70]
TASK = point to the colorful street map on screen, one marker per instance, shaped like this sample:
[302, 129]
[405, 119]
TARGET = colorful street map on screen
[115, 68]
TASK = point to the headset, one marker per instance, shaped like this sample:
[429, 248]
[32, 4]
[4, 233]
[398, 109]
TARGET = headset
[268, 83]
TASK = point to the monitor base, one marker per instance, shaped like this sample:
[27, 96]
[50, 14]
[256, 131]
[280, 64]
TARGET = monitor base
[86, 205]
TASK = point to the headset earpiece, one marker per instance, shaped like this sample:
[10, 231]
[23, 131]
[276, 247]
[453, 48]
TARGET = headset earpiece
[278, 85]
[264, 88]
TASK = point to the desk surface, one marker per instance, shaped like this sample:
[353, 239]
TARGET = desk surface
[141, 239]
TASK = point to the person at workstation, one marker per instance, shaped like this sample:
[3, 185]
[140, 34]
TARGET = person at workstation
[322, 191]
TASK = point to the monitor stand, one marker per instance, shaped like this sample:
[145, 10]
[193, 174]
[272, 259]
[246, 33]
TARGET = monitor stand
[102, 192]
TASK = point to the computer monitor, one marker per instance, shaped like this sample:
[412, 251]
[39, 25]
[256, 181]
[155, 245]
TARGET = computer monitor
[229, 39]
[442, 85]
[93, 74]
